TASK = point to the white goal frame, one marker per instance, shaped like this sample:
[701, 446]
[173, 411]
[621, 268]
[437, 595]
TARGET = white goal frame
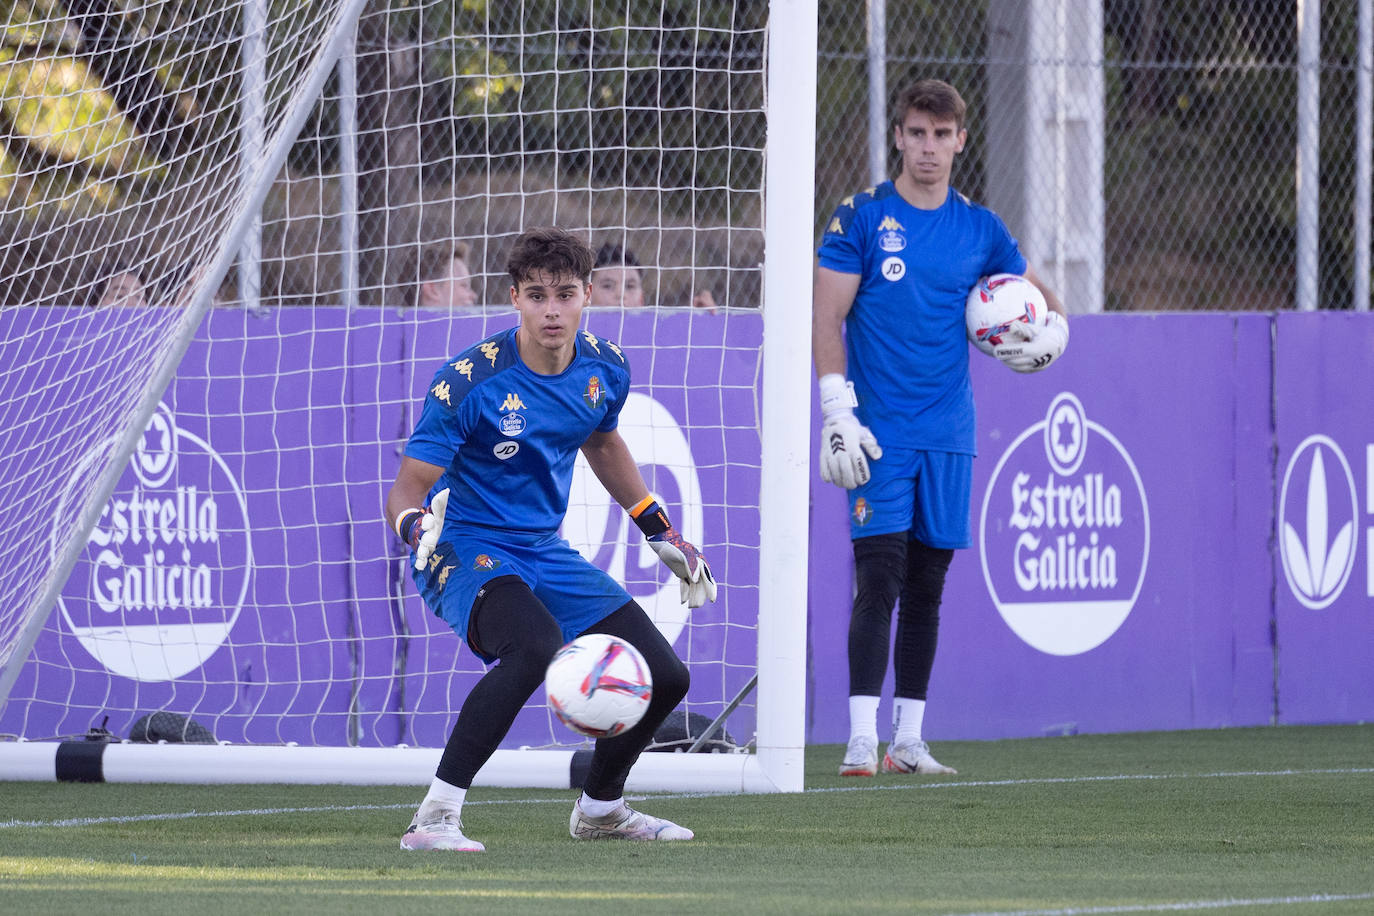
[777, 763]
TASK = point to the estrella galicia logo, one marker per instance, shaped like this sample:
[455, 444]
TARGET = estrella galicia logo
[165, 570]
[512, 424]
[891, 242]
[1317, 512]
[1065, 532]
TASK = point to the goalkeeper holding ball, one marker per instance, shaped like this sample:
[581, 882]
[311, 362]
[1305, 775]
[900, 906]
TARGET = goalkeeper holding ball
[492, 457]
[895, 265]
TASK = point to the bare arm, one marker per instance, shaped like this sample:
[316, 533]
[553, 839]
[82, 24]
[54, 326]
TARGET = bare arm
[615, 467]
[1050, 298]
[833, 298]
[413, 481]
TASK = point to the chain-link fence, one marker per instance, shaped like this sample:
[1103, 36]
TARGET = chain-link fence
[1144, 152]
[1195, 108]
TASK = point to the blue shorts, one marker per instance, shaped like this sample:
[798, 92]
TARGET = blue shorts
[576, 593]
[921, 492]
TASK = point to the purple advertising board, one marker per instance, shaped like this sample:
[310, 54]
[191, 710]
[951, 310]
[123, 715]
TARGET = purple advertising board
[1172, 529]
[1324, 501]
[242, 572]
[1120, 573]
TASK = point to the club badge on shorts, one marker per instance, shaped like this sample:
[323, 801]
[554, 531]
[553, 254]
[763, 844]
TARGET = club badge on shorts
[863, 512]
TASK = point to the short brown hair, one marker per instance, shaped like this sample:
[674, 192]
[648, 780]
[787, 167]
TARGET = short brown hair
[936, 98]
[432, 262]
[549, 250]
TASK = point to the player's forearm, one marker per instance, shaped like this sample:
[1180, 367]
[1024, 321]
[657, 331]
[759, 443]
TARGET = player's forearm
[398, 502]
[1051, 299]
[610, 459]
[411, 488]
[827, 350]
[833, 298]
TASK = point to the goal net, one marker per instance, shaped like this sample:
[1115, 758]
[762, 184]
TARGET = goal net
[241, 237]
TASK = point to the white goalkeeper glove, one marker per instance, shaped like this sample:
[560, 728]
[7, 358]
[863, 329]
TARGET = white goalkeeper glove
[1040, 344]
[696, 584]
[844, 440]
[420, 528]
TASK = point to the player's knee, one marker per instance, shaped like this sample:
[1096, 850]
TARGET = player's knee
[879, 569]
[671, 680]
[934, 558]
[925, 575]
[543, 640]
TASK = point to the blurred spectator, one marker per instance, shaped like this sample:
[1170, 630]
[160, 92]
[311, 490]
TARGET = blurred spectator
[442, 278]
[618, 281]
[122, 286]
[181, 284]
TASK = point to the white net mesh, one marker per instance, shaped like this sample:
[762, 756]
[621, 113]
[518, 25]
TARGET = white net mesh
[240, 572]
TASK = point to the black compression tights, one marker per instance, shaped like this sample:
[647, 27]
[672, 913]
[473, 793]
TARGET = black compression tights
[886, 567]
[510, 623]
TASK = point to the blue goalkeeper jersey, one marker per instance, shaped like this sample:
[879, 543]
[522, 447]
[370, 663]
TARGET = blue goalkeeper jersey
[904, 337]
[507, 437]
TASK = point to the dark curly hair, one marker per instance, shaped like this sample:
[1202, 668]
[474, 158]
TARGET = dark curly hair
[549, 250]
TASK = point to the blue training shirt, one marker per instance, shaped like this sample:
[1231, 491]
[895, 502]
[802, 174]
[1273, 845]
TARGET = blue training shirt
[905, 337]
[507, 437]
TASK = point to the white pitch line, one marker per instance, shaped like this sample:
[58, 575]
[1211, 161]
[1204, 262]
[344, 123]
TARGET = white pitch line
[1117, 777]
[906, 786]
[1179, 907]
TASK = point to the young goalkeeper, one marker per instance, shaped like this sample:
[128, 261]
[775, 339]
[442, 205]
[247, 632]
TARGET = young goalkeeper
[893, 271]
[492, 456]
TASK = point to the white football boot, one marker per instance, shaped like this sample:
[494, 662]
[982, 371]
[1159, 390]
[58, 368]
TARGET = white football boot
[914, 757]
[860, 757]
[624, 823]
[438, 828]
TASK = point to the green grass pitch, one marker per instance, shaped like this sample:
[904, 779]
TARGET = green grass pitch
[1267, 820]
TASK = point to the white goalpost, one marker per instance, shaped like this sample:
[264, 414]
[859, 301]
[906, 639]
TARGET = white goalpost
[227, 228]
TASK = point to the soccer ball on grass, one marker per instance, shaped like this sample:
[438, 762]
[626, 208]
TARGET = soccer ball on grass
[598, 685]
[997, 306]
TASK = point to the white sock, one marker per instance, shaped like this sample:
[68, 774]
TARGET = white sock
[594, 808]
[907, 716]
[863, 717]
[445, 795]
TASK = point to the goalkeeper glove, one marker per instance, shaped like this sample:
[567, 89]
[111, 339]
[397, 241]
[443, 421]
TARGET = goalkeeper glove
[420, 528]
[697, 586]
[843, 439]
[1042, 344]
